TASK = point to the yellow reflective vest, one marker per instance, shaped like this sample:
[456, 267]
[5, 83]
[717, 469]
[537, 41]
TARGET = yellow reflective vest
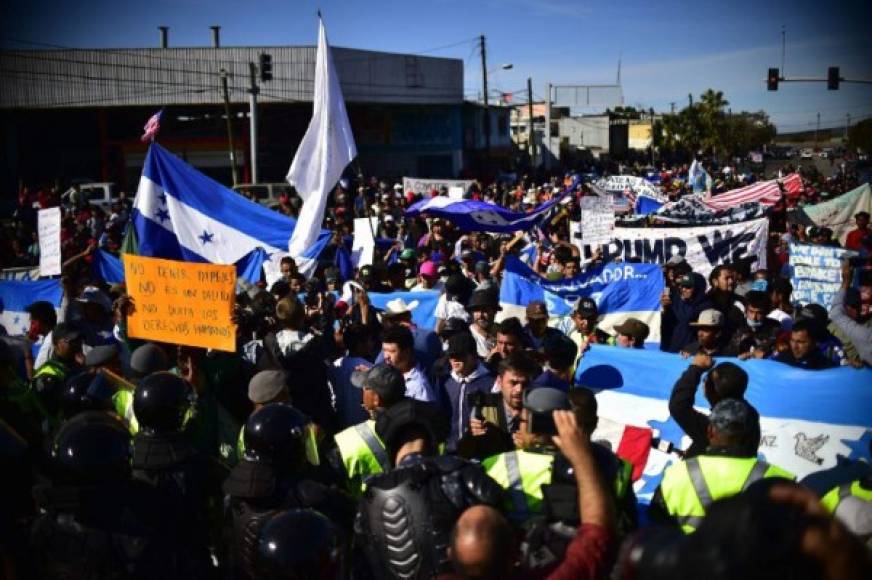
[363, 454]
[122, 401]
[834, 497]
[689, 487]
[522, 474]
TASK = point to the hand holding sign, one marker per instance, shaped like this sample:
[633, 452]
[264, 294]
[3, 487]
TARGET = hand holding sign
[181, 302]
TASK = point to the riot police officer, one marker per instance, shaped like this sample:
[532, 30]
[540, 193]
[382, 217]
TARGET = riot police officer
[274, 474]
[299, 545]
[96, 522]
[85, 392]
[164, 456]
[423, 495]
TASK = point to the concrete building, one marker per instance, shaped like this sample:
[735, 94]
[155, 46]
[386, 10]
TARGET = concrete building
[79, 113]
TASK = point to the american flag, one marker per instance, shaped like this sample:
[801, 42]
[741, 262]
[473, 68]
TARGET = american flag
[792, 185]
[765, 192]
[152, 126]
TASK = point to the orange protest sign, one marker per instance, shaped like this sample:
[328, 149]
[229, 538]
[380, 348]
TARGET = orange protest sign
[181, 302]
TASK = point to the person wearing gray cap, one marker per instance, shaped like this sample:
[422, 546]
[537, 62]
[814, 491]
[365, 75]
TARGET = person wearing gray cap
[264, 388]
[729, 466]
[359, 451]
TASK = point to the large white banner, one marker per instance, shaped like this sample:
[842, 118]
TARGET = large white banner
[703, 247]
[49, 228]
[639, 185]
[422, 186]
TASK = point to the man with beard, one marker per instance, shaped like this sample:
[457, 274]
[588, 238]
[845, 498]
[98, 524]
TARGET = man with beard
[722, 296]
[483, 307]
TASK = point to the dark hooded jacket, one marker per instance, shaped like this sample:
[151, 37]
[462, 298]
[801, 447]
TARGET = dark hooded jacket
[675, 329]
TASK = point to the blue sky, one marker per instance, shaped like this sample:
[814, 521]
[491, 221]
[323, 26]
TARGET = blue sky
[668, 48]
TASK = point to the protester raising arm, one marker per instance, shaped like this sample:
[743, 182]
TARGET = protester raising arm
[858, 334]
[590, 555]
[681, 401]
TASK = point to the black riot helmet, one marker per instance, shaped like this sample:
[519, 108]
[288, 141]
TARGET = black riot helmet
[84, 392]
[92, 447]
[299, 544]
[276, 433]
[160, 402]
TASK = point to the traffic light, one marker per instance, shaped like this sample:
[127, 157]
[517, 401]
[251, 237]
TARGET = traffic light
[833, 78]
[772, 79]
[265, 67]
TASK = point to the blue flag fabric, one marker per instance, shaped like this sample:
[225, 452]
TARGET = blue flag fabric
[250, 267]
[480, 216]
[16, 295]
[424, 315]
[646, 205]
[181, 214]
[107, 267]
[807, 417]
[620, 291]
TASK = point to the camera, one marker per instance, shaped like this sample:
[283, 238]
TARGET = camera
[477, 401]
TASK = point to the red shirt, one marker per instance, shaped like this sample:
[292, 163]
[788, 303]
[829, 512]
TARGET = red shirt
[589, 555]
[854, 237]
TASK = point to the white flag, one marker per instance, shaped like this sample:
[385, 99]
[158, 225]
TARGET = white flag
[326, 149]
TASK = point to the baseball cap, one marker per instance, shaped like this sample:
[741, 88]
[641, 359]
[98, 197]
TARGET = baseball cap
[710, 317]
[96, 296]
[546, 400]
[407, 254]
[760, 285]
[461, 344]
[331, 274]
[687, 281]
[536, 309]
[384, 379]
[265, 386]
[732, 417]
[366, 272]
[559, 349]
[428, 270]
[634, 327]
[586, 307]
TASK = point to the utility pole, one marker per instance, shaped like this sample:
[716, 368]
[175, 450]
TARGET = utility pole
[690, 100]
[546, 150]
[847, 125]
[483, 50]
[252, 118]
[229, 125]
[532, 136]
[817, 129]
[783, 47]
[672, 108]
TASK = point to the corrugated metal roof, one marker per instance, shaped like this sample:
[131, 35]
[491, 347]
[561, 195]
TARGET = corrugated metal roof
[166, 76]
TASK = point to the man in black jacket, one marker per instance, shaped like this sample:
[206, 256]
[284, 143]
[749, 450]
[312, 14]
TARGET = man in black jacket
[804, 352]
[682, 306]
[725, 381]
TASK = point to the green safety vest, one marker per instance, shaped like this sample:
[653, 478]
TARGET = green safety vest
[363, 453]
[122, 401]
[522, 474]
[834, 497]
[52, 368]
[689, 487]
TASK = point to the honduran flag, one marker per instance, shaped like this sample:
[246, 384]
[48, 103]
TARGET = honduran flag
[807, 418]
[17, 295]
[621, 291]
[181, 214]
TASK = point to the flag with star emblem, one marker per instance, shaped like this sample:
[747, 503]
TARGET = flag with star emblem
[480, 216]
[181, 214]
[17, 295]
[807, 418]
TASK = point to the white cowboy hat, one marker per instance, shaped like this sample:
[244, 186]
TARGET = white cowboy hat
[399, 306]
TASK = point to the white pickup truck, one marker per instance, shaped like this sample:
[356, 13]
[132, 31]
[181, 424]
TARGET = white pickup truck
[103, 194]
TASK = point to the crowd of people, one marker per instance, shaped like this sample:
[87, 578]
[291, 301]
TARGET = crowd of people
[343, 440]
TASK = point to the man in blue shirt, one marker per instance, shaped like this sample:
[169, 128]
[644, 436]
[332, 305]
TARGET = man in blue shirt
[467, 376]
[398, 348]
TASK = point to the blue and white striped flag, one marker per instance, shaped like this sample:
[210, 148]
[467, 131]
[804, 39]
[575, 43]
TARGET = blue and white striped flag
[181, 214]
[620, 291]
[480, 216]
[807, 418]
